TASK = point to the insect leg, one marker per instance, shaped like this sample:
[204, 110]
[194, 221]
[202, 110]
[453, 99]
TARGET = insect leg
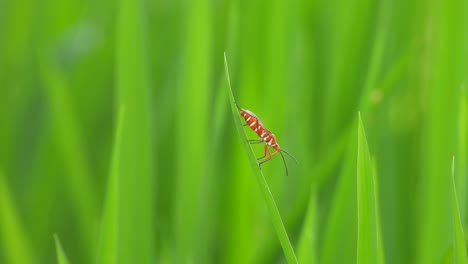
[254, 141]
[264, 154]
[269, 155]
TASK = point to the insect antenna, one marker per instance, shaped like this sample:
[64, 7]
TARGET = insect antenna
[290, 155]
[284, 161]
[240, 109]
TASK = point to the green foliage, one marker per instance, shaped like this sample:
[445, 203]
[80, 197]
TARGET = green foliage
[170, 183]
[61, 257]
[369, 249]
[459, 237]
[137, 198]
[307, 247]
[262, 183]
[109, 240]
[16, 248]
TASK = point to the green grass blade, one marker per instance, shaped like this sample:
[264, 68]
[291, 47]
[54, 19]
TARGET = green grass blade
[307, 247]
[341, 224]
[459, 237]
[462, 169]
[434, 219]
[61, 257]
[191, 116]
[368, 228]
[15, 248]
[71, 150]
[322, 171]
[448, 256]
[381, 254]
[108, 247]
[267, 195]
[137, 173]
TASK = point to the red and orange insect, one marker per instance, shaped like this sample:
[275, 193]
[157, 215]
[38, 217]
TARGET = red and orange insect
[266, 136]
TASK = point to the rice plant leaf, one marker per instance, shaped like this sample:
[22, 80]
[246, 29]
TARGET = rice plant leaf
[462, 169]
[307, 247]
[15, 245]
[448, 256]
[459, 237]
[192, 100]
[137, 167]
[265, 190]
[61, 257]
[381, 255]
[108, 246]
[341, 225]
[70, 142]
[434, 220]
[368, 246]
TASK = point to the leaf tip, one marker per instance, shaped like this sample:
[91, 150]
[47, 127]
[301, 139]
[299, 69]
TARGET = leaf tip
[360, 124]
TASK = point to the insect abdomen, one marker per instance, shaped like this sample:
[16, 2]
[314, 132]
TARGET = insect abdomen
[252, 121]
[256, 125]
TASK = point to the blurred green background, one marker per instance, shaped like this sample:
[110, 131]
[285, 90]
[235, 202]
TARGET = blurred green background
[173, 184]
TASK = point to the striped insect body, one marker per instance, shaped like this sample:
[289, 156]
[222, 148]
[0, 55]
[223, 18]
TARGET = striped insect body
[265, 136]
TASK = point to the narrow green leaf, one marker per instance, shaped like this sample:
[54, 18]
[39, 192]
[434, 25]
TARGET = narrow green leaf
[16, 248]
[368, 228]
[324, 166]
[462, 169]
[137, 173]
[108, 247]
[448, 256]
[61, 257]
[71, 150]
[380, 247]
[341, 224]
[192, 100]
[434, 216]
[307, 247]
[267, 195]
[459, 237]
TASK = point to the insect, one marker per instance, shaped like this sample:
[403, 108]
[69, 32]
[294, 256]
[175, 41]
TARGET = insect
[266, 136]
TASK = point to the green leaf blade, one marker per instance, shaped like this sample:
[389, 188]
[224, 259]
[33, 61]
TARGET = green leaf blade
[462, 167]
[137, 167]
[459, 237]
[16, 247]
[108, 247]
[342, 218]
[307, 247]
[369, 244]
[61, 256]
[265, 190]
